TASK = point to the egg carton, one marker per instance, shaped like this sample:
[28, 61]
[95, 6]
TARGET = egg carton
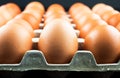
[82, 60]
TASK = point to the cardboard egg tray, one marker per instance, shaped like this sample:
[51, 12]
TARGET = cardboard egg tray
[83, 60]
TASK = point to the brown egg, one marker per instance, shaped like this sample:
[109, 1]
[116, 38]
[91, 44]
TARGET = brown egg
[36, 6]
[22, 23]
[104, 42]
[118, 27]
[114, 20]
[14, 42]
[106, 15]
[58, 42]
[2, 20]
[91, 22]
[10, 10]
[98, 6]
[81, 20]
[36, 9]
[54, 8]
[50, 13]
[7, 12]
[77, 8]
[56, 16]
[13, 8]
[74, 6]
[35, 13]
[79, 13]
[30, 19]
[4, 12]
[106, 12]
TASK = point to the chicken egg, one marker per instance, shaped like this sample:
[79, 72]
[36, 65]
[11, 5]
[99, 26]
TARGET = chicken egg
[103, 42]
[30, 19]
[58, 42]
[15, 40]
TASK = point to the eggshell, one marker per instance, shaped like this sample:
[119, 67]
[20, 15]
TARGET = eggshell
[22, 23]
[54, 9]
[7, 12]
[36, 5]
[104, 42]
[35, 13]
[30, 19]
[10, 10]
[14, 42]
[52, 12]
[55, 6]
[114, 20]
[36, 9]
[91, 22]
[118, 27]
[77, 8]
[56, 16]
[2, 20]
[13, 9]
[98, 6]
[58, 42]
[106, 15]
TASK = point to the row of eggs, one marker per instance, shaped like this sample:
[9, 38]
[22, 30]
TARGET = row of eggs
[58, 40]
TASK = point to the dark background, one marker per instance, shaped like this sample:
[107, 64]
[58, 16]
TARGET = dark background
[65, 3]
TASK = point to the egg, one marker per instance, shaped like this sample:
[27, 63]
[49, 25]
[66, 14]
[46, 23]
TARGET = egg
[90, 23]
[15, 40]
[36, 9]
[98, 6]
[2, 20]
[7, 12]
[77, 8]
[79, 13]
[118, 27]
[106, 12]
[114, 20]
[36, 5]
[58, 42]
[56, 16]
[54, 8]
[22, 23]
[106, 15]
[30, 19]
[81, 20]
[74, 6]
[53, 12]
[35, 13]
[104, 42]
[10, 10]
